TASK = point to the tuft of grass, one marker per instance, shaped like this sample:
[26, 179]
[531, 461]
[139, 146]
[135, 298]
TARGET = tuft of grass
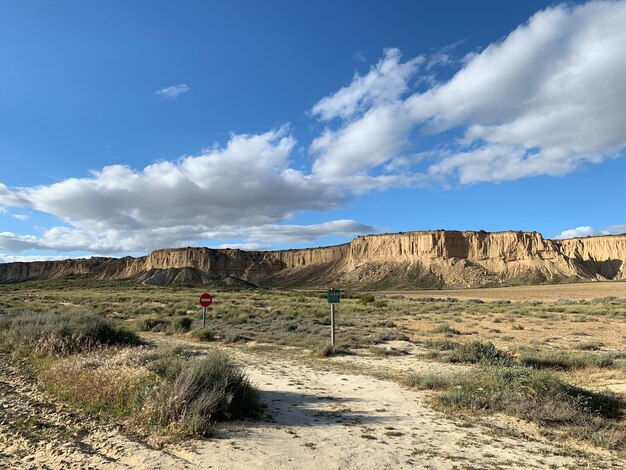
[180, 324]
[202, 392]
[443, 345]
[235, 338]
[60, 334]
[204, 334]
[328, 350]
[590, 346]
[478, 352]
[390, 334]
[446, 329]
[428, 381]
[152, 324]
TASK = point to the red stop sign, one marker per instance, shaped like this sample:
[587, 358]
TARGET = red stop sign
[206, 300]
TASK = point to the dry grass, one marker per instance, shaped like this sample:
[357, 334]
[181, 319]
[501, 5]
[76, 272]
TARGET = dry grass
[106, 384]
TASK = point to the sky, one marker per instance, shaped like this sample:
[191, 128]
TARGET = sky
[131, 126]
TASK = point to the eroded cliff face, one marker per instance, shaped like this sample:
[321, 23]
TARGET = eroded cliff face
[402, 260]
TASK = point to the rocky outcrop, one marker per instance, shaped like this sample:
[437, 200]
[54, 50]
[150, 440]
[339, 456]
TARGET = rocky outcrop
[401, 260]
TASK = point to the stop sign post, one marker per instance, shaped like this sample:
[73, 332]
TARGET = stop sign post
[205, 301]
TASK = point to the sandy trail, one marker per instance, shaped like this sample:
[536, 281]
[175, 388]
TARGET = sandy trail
[321, 417]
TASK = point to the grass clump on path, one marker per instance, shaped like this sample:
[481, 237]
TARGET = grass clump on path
[199, 392]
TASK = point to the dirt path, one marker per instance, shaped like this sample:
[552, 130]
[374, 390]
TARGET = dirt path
[317, 417]
[553, 292]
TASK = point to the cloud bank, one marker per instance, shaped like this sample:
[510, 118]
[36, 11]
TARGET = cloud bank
[544, 100]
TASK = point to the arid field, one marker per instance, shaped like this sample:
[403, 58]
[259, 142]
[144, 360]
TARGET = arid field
[106, 374]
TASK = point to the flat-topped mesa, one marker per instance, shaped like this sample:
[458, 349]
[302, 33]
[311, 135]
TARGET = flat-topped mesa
[453, 258]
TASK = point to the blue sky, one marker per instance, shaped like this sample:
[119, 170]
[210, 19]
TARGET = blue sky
[131, 126]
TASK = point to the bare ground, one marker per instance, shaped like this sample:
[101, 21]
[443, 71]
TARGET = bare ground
[322, 414]
[576, 291]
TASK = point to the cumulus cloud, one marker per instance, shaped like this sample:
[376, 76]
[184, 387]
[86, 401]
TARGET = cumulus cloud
[22, 217]
[542, 101]
[240, 190]
[588, 231]
[384, 83]
[174, 91]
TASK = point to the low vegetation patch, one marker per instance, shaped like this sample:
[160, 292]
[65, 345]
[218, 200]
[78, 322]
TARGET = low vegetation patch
[534, 395]
[565, 360]
[60, 334]
[446, 329]
[474, 352]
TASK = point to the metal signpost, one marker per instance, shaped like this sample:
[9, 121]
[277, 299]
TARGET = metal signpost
[205, 301]
[333, 296]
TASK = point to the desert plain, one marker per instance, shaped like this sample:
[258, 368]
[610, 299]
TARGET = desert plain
[526, 377]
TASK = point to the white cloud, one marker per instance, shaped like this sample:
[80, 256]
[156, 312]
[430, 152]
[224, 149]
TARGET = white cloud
[584, 231]
[383, 84]
[547, 98]
[22, 217]
[587, 231]
[173, 91]
[239, 191]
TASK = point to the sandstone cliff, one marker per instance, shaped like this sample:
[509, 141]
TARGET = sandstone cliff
[402, 260]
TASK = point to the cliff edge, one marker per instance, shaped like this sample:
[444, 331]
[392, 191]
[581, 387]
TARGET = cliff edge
[395, 261]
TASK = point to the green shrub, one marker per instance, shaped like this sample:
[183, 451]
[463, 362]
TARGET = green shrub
[203, 392]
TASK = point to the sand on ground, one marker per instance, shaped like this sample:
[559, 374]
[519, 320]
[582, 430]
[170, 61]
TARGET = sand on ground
[320, 415]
